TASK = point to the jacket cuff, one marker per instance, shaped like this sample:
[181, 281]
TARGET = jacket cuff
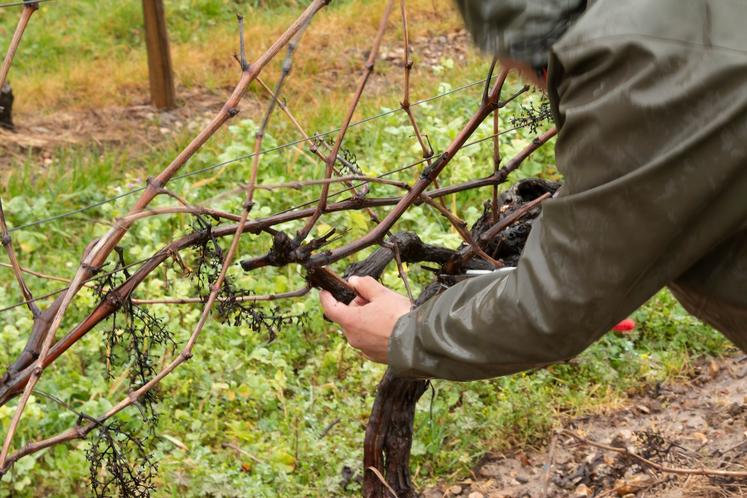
[401, 347]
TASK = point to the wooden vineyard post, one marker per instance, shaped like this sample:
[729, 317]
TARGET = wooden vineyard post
[160, 74]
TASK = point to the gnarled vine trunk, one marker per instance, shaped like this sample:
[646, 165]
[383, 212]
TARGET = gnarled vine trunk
[390, 427]
[389, 436]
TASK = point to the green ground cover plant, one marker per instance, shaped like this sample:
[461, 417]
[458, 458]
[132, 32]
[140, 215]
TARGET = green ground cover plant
[286, 417]
[281, 411]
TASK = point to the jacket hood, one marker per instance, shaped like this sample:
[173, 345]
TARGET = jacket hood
[523, 30]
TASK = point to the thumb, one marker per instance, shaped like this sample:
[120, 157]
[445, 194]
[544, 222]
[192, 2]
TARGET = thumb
[367, 287]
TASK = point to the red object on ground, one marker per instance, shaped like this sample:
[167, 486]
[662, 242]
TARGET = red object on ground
[625, 326]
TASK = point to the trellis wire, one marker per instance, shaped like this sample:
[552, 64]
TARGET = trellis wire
[40, 351]
[298, 206]
[21, 3]
[237, 159]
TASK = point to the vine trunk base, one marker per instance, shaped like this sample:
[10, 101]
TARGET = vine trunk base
[389, 437]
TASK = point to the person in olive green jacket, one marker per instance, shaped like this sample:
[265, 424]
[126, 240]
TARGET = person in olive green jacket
[650, 100]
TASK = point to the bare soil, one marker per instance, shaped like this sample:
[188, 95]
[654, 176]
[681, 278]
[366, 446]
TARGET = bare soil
[698, 424]
[137, 127]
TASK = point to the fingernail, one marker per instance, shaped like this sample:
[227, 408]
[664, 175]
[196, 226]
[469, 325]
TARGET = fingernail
[353, 279]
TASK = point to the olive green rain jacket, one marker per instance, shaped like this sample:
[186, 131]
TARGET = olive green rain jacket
[650, 98]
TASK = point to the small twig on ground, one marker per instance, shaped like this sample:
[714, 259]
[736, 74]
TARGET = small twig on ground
[383, 481]
[329, 427]
[656, 466]
[548, 465]
[242, 451]
[616, 491]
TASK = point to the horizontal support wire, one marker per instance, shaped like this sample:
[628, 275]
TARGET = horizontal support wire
[299, 206]
[236, 159]
[22, 2]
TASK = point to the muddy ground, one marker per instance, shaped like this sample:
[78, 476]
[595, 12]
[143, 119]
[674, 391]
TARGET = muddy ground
[699, 424]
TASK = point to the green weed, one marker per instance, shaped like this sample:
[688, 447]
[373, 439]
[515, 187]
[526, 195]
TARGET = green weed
[252, 417]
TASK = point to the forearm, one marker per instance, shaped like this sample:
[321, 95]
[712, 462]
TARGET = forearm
[545, 311]
[650, 188]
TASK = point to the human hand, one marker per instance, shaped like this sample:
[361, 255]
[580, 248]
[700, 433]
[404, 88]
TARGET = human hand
[369, 319]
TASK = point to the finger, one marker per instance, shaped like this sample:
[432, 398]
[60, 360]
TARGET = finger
[333, 309]
[368, 288]
[358, 302]
[327, 299]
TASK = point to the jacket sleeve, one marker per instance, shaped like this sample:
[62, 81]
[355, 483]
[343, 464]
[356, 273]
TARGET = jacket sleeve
[653, 146]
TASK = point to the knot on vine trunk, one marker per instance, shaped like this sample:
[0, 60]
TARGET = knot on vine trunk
[282, 252]
[508, 244]
[287, 250]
